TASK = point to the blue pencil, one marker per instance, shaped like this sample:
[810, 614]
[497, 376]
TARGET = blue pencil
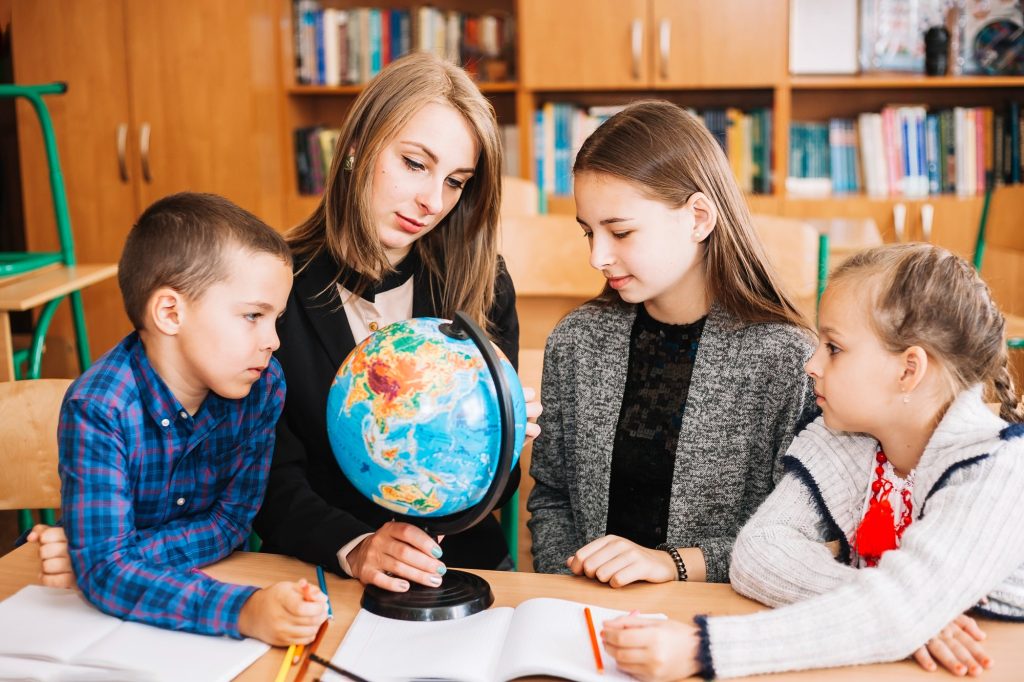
[323, 588]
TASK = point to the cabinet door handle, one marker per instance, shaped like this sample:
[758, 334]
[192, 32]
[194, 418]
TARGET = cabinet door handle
[664, 41]
[637, 43]
[122, 148]
[144, 152]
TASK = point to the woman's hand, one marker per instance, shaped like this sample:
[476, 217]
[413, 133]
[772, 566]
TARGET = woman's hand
[956, 648]
[396, 554]
[618, 561]
[652, 650]
[533, 410]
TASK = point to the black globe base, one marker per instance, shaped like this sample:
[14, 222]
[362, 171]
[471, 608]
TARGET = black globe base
[461, 594]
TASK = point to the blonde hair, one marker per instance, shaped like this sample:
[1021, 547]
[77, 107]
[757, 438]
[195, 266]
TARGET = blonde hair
[462, 251]
[670, 155]
[925, 296]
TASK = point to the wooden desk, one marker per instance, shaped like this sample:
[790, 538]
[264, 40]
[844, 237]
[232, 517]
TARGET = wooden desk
[24, 292]
[678, 600]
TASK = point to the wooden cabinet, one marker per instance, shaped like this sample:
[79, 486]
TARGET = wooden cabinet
[163, 96]
[642, 44]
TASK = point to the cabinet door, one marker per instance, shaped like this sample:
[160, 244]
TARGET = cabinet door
[583, 44]
[718, 43]
[81, 44]
[206, 92]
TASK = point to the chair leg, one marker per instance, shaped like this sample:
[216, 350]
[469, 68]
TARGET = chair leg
[25, 520]
[510, 527]
[35, 357]
[48, 516]
[81, 333]
[254, 543]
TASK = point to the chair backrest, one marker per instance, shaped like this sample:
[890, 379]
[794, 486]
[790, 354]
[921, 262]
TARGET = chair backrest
[792, 247]
[28, 443]
[548, 256]
[519, 197]
[1000, 247]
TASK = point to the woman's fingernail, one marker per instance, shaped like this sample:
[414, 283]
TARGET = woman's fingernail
[435, 580]
[403, 586]
[436, 551]
[441, 570]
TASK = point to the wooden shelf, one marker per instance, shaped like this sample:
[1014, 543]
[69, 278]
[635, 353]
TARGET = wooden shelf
[334, 90]
[869, 81]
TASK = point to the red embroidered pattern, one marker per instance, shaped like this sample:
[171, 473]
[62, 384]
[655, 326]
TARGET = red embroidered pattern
[878, 531]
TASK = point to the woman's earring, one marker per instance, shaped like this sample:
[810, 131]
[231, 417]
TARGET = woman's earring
[349, 163]
[697, 235]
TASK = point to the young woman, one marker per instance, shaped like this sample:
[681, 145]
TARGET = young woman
[908, 469]
[670, 399]
[408, 227]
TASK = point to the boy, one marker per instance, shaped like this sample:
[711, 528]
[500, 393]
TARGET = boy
[165, 443]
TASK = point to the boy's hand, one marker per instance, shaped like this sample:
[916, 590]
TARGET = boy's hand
[618, 561]
[53, 556]
[396, 554]
[533, 410]
[284, 613]
[956, 648]
[652, 650]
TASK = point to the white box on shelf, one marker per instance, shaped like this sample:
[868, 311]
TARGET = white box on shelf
[822, 36]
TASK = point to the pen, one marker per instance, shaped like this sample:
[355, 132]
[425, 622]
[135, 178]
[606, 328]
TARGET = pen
[323, 588]
[593, 640]
[341, 671]
[282, 673]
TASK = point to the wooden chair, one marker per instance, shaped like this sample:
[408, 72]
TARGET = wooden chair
[799, 256]
[549, 261]
[1000, 247]
[28, 446]
[519, 197]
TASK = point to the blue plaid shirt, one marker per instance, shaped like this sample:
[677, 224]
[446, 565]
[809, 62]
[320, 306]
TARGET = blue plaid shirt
[150, 492]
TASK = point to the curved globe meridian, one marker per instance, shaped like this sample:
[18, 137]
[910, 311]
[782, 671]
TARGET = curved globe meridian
[414, 422]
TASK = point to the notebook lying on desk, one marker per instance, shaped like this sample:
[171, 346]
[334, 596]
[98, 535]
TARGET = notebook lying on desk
[54, 634]
[539, 637]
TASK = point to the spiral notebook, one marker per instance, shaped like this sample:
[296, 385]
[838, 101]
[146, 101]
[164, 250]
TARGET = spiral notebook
[539, 637]
[54, 634]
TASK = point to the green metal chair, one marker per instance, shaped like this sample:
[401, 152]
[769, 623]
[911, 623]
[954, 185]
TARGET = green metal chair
[18, 263]
[21, 263]
[1002, 194]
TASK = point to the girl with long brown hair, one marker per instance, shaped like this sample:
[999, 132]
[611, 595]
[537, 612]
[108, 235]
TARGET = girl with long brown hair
[408, 227]
[670, 399]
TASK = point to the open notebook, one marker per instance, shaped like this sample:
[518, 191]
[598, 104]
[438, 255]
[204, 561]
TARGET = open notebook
[539, 637]
[54, 634]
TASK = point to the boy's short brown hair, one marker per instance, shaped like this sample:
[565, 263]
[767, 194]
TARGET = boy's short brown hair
[178, 242]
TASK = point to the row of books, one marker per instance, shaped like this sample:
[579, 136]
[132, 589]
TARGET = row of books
[348, 46]
[909, 151]
[560, 129]
[315, 147]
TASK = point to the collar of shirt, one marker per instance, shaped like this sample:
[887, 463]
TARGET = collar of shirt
[161, 405]
[406, 268]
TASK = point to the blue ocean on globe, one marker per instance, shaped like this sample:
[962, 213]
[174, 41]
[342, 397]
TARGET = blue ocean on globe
[413, 420]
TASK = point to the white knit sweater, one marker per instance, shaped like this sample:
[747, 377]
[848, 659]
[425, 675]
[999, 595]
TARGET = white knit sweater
[966, 542]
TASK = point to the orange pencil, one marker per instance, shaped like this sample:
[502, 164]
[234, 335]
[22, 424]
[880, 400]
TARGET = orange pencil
[593, 640]
[310, 650]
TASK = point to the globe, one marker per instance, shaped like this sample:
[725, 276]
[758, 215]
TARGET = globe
[413, 419]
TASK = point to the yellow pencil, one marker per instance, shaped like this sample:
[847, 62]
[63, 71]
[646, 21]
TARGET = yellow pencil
[285, 664]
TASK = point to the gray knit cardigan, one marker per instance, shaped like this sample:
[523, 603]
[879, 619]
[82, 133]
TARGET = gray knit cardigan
[747, 395]
[966, 542]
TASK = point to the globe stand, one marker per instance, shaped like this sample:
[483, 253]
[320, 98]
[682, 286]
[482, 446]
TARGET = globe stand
[461, 594]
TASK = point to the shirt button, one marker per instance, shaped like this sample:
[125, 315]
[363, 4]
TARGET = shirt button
[184, 414]
[374, 326]
[165, 422]
[181, 501]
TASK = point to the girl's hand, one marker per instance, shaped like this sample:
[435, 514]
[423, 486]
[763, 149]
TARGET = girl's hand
[618, 562]
[956, 649]
[652, 650]
[533, 410]
[394, 555]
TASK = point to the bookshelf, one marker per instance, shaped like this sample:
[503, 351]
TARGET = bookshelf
[711, 54]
